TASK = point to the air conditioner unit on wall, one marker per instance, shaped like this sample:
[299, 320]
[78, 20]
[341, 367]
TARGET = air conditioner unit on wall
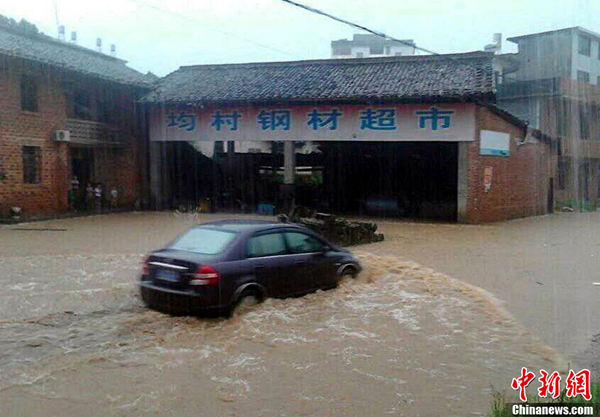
[62, 136]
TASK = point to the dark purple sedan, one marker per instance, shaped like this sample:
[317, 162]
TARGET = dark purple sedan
[214, 266]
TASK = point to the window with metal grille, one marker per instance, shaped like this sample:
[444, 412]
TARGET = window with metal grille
[29, 100]
[32, 164]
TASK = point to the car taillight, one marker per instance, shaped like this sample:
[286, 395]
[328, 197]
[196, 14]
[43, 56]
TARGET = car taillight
[145, 268]
[205, 275]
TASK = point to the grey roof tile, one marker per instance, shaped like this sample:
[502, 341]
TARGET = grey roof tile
[47, 50]
[456, 76]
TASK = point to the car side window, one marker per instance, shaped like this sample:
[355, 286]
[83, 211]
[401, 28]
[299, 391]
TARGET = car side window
[302, 243]
[266, 245]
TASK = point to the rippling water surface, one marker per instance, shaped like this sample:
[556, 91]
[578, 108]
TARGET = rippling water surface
[400, 339]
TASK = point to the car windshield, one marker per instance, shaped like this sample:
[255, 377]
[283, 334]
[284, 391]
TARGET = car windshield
[203, 240]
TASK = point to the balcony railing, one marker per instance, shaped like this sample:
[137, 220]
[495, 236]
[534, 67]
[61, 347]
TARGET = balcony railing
[86, 132]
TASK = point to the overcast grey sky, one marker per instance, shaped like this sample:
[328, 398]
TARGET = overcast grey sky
[161, 35]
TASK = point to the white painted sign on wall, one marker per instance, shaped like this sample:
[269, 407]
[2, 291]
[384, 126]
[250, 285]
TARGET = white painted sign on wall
[494, 143]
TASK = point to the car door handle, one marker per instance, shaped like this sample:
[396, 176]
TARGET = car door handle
[259, 267]
[300, 262]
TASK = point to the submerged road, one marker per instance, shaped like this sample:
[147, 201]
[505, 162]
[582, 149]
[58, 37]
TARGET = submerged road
[411, 336]
[543, 268]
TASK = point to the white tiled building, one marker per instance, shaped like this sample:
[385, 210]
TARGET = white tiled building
[367, 46]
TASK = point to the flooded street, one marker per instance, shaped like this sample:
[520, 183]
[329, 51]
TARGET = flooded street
[401, 339]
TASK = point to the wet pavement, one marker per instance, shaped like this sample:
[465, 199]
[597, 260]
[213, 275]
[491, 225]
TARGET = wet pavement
[401, 339]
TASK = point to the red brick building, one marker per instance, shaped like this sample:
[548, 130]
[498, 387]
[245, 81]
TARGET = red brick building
[65, 112]
[415, 136]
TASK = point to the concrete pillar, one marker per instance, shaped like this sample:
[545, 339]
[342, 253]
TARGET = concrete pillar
[158, 193]
[289, 176]
[289, 162]
[463, 182]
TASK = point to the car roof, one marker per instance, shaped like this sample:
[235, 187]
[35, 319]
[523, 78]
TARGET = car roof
[247, 225]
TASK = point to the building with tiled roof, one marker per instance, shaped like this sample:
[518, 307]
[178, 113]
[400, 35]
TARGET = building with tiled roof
[408, 136]
[405, 78]
[30, 45]
[67, 118]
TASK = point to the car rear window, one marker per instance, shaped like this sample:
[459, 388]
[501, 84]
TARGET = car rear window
[205, 241]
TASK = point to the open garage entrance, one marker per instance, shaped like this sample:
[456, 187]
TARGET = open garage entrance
[388, 179]
[392, 179]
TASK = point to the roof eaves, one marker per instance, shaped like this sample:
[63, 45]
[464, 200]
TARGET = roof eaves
[516, 39]
[520, 123]
[40, 37]
[153, 98]
[140, 83]
[466, 56]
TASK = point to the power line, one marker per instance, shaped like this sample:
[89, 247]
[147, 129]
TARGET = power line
[372, 31]
[189, 19]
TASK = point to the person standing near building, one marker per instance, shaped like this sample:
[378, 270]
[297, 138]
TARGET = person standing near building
[98, 197]
[71, 198]
[114, 197]
[89, 197]
[74, 194]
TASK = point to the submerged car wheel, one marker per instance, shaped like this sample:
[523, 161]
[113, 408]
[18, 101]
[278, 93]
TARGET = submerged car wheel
[248, 298]
[348, 272]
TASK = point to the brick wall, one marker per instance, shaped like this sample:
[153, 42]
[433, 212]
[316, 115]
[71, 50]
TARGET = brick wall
[20, 128]
[520, 182]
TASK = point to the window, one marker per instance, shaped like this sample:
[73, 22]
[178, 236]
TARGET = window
[31, 164]
[82, 105]
[585, 45]
[302, 243]
[266, 245]
[562, 119]
[219, 147]
[376, 50]
[584, 122]
[598, 81]
[29, 93]
[359, 54]
[106, 112]
[563, 167]
[203, 240]
[583, 76]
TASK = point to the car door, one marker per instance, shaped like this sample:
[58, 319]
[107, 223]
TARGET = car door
[267, 255]
[311, 267]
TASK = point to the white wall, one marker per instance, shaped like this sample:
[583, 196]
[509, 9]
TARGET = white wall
[590, 64]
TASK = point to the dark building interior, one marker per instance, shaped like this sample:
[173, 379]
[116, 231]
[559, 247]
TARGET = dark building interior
[389, 179]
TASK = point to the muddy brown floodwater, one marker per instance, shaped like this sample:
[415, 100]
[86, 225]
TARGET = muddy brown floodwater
[401, 339]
